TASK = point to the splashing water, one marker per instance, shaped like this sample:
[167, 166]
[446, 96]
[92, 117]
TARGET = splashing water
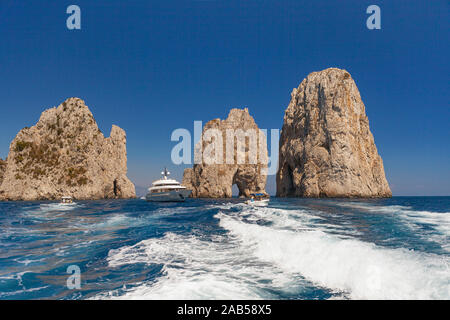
[215, 249]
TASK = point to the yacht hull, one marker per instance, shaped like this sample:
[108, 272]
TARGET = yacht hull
[168, 196]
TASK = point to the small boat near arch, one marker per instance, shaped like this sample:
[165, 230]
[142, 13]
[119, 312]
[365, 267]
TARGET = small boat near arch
[66, 200]
[258, 199]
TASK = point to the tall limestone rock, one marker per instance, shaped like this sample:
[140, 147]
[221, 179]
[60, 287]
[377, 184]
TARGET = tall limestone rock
[66, 154]
[326, 147]
[245, 166]
[2, 169]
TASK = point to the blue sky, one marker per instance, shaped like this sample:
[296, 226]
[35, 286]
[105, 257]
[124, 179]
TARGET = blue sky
[154, 66]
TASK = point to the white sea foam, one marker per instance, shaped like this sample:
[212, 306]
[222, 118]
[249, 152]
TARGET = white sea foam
[50, 211]
[269, 249]
[110, 222]
[195, 268]
[59, 206]
[440, 220]
[362, 270]
[26, 261]
[295, 220]
[7, 294]
[414, 219]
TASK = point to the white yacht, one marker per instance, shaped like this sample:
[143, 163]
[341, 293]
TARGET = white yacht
[167, 190]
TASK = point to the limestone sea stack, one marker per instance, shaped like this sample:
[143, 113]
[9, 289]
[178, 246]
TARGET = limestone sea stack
[215, 180]
[2, 170]
[65, 154]
[326, 147]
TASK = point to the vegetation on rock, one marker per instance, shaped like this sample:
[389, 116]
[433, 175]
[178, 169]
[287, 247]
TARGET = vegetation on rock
[66, 154]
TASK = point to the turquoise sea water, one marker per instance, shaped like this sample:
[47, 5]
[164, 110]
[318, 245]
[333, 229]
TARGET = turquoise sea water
[222, 249]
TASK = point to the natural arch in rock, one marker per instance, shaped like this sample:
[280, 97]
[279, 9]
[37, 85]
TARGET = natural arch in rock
[326, 147]
[217, 180]
[234, 190]
[240, 183]
[286, 186]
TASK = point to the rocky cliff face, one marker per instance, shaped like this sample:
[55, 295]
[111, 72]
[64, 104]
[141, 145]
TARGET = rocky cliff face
[326, 147]
[66, 154]
[246, 162]
[2, 170]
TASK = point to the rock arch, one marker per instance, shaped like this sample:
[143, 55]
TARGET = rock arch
[217, 180]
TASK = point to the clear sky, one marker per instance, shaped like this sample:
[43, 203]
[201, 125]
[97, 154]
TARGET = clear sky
[154, 66]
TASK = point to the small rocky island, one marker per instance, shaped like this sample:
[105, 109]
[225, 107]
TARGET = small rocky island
[216, 180]
[326, 147]
[65, 154]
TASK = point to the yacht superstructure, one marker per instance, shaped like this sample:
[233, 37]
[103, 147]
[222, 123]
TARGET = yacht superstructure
[166, 189]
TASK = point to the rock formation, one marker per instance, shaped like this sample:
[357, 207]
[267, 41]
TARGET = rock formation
[65, 153]
[245, 166]
[326, 147]
[2, 170]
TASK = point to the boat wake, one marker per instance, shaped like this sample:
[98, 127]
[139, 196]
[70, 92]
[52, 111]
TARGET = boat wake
[273, 252]
[427, 224]
[358, 269]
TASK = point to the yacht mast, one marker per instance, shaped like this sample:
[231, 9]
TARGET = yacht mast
[165, 173]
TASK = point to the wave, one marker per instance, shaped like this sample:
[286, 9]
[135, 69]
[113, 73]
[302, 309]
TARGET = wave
[441, 219]
[49, 211]
[13, 293]
[196, 268]
[359, 269]
[414, 219]
[266, 252]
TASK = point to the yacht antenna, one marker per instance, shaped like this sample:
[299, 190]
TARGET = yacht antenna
[165, 173]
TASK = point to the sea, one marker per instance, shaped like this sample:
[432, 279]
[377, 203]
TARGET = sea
[294, 248]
